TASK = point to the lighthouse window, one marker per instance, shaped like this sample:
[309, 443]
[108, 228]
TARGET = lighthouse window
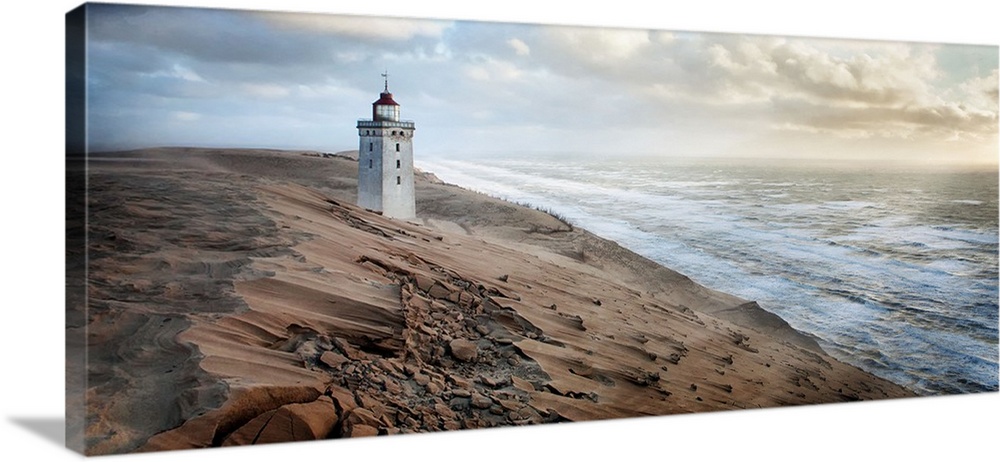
[369, 146]
[394, 133]
[369, 163]
[397, 180]
[397, 147]
[397, 163]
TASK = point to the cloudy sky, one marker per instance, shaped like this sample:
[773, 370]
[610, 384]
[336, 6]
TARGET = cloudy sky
[200, 77]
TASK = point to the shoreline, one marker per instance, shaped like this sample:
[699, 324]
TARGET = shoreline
[294, 194]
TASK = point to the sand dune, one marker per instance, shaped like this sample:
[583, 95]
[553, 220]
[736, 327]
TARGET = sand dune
[238, 297]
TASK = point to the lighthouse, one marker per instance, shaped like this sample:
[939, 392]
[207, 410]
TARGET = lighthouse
[385, 159]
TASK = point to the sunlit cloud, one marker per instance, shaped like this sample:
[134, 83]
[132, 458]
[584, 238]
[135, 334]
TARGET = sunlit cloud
[375, 28]
[515, 86]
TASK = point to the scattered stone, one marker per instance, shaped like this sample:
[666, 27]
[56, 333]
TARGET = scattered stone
[349, 350]
[461, 392]
[521, 384]
[423, 282]
[496, 410]
[463, 350]
[483, 330]
[459, 382]
[438, 290]
[332, 359]
[393, 387]
[433, 388]
[510, 405]
[466, 300]
[492, 382]
[360, 430]
[459, 404]
[480, 402]
[596, 302]
[503, 277]
[360, 422]
[444, 411]
[421, 379]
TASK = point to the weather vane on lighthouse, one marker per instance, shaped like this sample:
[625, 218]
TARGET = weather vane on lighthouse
[385, 75]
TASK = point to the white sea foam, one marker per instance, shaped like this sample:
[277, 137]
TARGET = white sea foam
[861, 274]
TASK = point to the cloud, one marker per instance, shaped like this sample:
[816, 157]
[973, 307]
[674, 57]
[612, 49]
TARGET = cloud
[185, 116]
[258, 90]
[598, 47]
[503, 80]
[982, 92]
[521, 48]
[362, 27]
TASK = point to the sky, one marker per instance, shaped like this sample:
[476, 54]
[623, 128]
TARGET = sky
[228, 78]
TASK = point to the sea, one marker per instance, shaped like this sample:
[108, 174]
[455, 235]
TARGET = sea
[893, 268]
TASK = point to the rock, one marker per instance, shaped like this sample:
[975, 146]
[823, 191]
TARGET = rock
[459, 404]
[492, 382]
[393, 387]
[503, 277]
[459, 382]
[496, 410]
[423, 282]
[361, 415]
[291, 422]
[483, 330]
[360, 430]
[421, 379]
[360, 422]
[344, 398]
[444, 411]
[413, 259]
[509, 405]
[433, 388]
[438, 290]
[461, 392]
[463, 350]
[480, 402]
[411, 369]
[529, 414]
[521, 384]
[466, 300]
[349, 350]
[333, 359]
[596, 301]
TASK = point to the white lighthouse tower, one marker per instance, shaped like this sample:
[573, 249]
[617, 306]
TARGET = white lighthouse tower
[385, 160]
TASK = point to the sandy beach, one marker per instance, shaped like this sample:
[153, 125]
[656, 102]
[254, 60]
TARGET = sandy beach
[239, 297]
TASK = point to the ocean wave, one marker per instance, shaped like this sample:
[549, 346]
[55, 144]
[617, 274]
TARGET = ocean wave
[883, 282]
